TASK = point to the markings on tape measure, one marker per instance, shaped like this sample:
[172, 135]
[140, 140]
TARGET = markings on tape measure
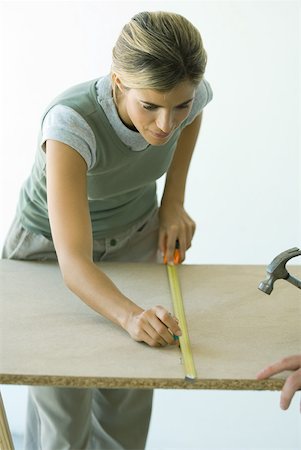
[177, 300]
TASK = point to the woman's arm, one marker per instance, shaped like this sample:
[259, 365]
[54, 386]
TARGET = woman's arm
[72, 235]
[175, 223]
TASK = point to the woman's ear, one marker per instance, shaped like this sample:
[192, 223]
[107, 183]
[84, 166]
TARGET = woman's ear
[116, 80]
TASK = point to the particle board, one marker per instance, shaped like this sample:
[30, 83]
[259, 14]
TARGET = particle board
[50, 337]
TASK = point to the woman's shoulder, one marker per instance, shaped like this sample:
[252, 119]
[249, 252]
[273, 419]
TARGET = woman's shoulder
[204, 94]
[66, 125]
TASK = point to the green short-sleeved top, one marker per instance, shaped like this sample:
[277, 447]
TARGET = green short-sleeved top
[121, 182]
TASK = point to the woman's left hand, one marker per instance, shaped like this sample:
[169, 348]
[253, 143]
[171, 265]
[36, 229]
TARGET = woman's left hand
[175, 225]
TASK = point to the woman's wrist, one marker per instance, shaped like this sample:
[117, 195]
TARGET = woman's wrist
[128, 314]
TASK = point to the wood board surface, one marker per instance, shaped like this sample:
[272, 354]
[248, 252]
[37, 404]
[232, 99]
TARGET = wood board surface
[50, 337]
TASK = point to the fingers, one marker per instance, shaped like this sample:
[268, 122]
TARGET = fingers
[291, 385]
[170, 322]
[180, 227]
[289, 363]
[173, 245]
[176, 255]
[163, 326]
[152, 338]
[293, 381]
[156, 327]
[167, 245]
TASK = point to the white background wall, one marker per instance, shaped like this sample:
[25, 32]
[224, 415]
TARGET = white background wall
[244, 186]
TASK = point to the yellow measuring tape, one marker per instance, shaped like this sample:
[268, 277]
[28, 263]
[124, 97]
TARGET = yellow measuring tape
[177, 300]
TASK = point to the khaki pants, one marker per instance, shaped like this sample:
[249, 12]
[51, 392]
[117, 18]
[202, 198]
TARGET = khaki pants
[77, 419]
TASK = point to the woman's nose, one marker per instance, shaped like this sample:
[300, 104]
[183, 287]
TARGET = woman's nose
[165, 122]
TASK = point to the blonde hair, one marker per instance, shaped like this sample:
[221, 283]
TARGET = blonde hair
[158, 50]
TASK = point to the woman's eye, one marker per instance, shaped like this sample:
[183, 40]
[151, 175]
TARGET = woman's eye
[154, 107]
[149, 107]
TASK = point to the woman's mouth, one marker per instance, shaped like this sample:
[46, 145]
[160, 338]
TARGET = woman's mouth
[160, 135]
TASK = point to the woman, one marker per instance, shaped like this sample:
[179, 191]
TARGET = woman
[91, 197]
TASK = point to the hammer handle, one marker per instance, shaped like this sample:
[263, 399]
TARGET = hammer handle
[294, 281]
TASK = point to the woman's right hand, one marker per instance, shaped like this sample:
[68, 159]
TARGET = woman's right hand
[156, 327]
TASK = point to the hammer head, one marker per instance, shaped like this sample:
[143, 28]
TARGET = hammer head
[277, 269]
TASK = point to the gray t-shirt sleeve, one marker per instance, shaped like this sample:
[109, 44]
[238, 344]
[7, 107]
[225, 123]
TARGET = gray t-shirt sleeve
[64, 124]
[203, 96]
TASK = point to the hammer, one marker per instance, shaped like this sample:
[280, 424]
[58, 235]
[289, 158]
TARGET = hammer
[276, 270]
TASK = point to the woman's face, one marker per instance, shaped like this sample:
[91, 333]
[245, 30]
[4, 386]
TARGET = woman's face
[154, 114]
